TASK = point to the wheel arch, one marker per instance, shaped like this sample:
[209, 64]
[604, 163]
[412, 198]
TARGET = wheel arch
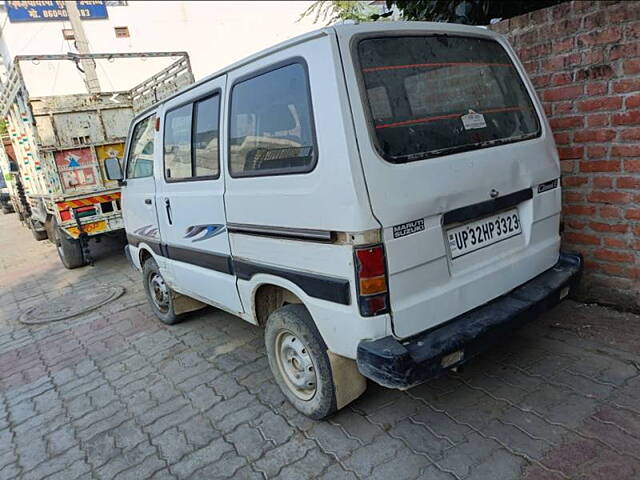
[270, 296]
[144, 254]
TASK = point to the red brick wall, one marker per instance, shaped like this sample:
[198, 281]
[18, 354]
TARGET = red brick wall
[584, 59]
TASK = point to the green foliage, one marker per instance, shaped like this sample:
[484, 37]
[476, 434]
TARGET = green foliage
[472, 12]
[3, 126]
[332, 11]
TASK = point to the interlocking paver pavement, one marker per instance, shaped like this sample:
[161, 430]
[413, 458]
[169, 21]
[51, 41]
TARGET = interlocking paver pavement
[116, 394]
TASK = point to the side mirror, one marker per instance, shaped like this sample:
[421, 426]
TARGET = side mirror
[113, 169]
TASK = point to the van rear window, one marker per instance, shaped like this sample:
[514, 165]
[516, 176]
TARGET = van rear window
[435, 95]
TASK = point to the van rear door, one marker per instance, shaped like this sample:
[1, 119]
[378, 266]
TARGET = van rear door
[453, 147]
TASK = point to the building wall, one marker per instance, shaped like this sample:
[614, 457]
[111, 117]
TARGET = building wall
[214, 34]
[584, 59]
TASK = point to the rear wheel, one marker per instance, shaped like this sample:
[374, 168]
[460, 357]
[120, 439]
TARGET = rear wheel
[69, 250]
[159, 294]
[299, 361]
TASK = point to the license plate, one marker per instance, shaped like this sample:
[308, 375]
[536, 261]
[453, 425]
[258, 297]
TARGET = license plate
[482, 233]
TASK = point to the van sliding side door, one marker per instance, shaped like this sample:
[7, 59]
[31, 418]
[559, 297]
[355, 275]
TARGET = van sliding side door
[191, 195]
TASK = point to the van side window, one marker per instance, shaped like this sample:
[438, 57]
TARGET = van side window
[191, 135]
[140, 161]
[206, 132]
[177, 143]
[271, 127]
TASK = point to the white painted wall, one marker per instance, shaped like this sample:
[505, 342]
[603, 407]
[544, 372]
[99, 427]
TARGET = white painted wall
[214, 34]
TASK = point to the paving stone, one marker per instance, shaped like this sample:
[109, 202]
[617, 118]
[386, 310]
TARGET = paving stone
[275, 459]
[226, 467]
[274, 428]
[127, 459]
[336, 472]
[127, 435]
[365, 459]
[172, 444]
[245, 415]
[202, 457]
[78, 469]
[332, 439]
[170, 406]
[355, 425]
[501, 465]
[203, 397]
[403, 466]
[248, 442]
[309, 466]
[148, 467]
[172, 419]
[461, 458]
[199, 431]
[61, 440]
[100, 449]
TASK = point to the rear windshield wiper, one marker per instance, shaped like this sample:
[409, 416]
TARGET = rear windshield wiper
[462, 148]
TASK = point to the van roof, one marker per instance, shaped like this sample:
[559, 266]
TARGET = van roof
[342, 30]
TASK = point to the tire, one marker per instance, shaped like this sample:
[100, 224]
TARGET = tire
[6, 210]
[159, 295]
[69, 250]
[297, 353]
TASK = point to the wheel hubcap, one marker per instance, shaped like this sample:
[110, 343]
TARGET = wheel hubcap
[159, 292]
[296, 365]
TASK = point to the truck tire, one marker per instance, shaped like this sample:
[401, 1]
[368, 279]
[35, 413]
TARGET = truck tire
[6, 210]
[299, 361]
[159, 295]
[69, 250]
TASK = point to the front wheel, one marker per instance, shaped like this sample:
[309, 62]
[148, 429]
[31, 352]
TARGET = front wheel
[299, 361]
[159, 295]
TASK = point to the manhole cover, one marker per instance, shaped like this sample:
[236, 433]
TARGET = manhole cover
[71, 305]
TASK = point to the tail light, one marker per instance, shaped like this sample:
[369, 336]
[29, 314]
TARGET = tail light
[371, 274]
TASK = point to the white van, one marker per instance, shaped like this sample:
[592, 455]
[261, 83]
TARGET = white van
[382, 198]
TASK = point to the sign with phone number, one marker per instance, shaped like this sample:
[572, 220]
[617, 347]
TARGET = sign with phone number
[40, 11]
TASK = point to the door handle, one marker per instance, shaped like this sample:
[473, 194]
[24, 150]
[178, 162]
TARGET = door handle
[167, 205]
[147, 201]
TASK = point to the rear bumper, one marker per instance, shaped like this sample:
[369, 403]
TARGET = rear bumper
[403, 364]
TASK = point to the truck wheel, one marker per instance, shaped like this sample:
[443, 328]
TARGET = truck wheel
[159, 295]
[299, 361]
[6, 210]
[69, 250]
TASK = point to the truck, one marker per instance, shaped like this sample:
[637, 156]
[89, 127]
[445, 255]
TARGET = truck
[60, 143]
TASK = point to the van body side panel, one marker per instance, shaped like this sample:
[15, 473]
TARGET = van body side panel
[190, 196]
[331, 197]
[427, 285]
[340, 324]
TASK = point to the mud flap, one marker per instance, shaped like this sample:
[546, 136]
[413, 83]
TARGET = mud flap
[184, 304]
[348, 381]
